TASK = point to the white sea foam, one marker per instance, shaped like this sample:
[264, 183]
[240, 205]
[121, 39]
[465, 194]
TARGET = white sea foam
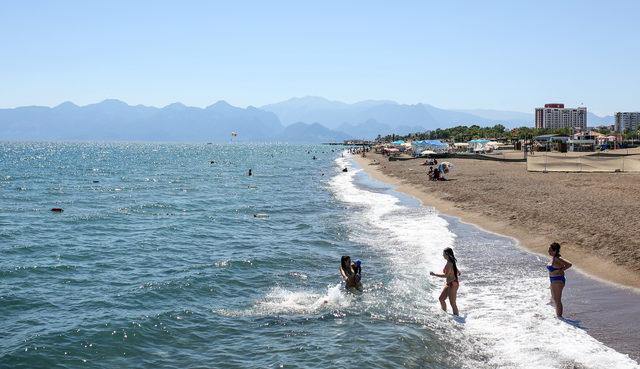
[508, 318]
[282, 301]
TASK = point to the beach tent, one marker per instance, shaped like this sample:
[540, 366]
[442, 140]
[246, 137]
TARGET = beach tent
[436, 146]
[398, 143]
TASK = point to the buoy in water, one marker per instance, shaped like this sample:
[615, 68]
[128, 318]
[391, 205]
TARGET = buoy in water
[57, 210]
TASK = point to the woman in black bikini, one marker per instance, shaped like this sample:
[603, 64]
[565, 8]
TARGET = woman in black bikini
[451, 274]
[347, 272]
[556, 276]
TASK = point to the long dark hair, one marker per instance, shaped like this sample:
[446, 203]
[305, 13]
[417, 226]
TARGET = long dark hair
[449, 253]
[345, 264]
[555, 247]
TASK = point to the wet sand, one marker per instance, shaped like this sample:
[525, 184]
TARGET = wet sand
[594, 216]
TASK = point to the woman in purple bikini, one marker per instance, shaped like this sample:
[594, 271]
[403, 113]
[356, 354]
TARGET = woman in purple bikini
[556, 276]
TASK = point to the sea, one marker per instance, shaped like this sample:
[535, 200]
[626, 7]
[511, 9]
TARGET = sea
[171, 256]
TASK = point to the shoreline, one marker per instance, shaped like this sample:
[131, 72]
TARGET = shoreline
[593, 266]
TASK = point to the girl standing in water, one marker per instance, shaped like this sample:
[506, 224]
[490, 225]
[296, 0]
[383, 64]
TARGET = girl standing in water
[347, 272]
[556, 276]
[451, 274]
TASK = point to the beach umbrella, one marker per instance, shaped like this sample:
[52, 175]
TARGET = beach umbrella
[427, 152]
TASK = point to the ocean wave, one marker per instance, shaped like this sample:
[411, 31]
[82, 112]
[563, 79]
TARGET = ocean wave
[506, 318]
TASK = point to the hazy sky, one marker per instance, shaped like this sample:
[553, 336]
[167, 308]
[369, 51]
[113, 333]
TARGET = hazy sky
[453, 54]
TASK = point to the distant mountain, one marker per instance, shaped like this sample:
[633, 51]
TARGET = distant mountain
[318, 109]
[115, 120]
[594, 120]
[306, 119]
[309, 133]
[369, 118]
[371, 128]
[514, 117]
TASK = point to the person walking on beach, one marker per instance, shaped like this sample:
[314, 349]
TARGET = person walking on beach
[451, 273]
[556, 276]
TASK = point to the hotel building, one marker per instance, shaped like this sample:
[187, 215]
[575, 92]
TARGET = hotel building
[555, 116]
[627, 121]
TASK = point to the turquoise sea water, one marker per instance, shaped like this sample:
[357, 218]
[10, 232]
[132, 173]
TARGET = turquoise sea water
[158, 261]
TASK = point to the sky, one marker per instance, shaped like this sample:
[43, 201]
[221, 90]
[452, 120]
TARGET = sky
[505, 55]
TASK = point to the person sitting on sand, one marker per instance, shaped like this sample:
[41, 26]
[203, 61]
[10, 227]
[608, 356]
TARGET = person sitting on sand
[430, 172]
[347, 272]
[451, 274]
[556, 276]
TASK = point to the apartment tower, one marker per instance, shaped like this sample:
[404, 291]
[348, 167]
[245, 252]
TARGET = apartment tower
[627, 121]
[554, 116]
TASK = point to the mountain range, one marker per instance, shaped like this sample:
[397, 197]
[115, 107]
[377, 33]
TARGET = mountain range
[307, 119]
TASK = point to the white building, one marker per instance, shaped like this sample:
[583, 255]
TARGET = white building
[627, 121]
[554, 116]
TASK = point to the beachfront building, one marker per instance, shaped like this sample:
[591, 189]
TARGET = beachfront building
[627, 121]
[584, 141]
[554, 116]
[550, 142]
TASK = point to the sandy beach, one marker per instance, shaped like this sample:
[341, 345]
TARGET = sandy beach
[594, 216]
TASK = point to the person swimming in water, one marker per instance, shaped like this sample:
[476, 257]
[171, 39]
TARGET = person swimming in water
[357, 270]
[556, 276]
[249, 174]
[349, 276]
[451, 273]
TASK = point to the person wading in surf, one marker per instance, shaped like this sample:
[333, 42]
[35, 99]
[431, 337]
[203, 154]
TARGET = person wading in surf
[556, 276]
[347, 273]
[451, 274]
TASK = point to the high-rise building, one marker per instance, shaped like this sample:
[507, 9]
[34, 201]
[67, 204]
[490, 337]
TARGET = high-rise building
[555, 116]
[627, 121]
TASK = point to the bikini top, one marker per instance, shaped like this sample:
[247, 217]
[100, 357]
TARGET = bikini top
[551, 268]
[444, 271]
